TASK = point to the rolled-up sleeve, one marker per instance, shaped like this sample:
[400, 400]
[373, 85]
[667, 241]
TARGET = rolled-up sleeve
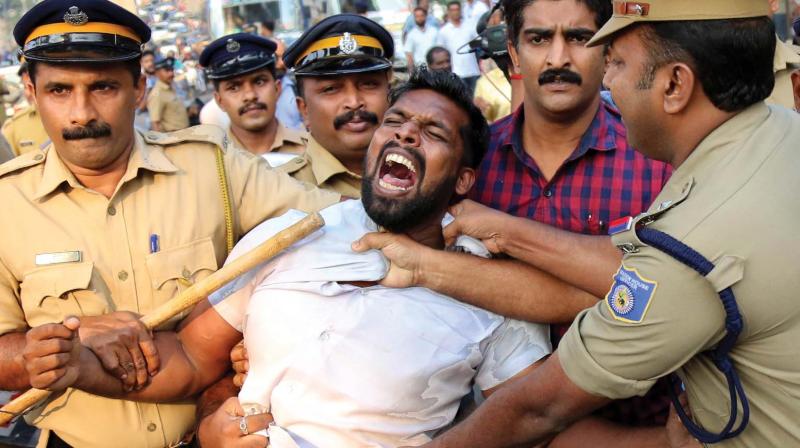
[618, 351]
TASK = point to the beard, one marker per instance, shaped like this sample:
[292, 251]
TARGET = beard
[403, 214]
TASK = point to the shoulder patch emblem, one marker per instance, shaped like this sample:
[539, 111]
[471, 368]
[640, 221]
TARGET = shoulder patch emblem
[630, 296]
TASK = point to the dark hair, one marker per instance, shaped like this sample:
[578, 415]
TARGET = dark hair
[732, 58]
[420, 8]
[454, 2]
[133, 66]
[474, 134]
[433, 51]
[514, 10]
[148, 53]
[268, 24]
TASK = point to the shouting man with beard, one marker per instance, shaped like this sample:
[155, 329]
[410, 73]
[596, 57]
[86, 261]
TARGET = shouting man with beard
[242, 68]
[338, 360]
[343, 67]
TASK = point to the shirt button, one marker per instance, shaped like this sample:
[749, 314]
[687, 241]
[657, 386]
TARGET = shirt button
[151, 427]
[186, 274]
[548, 193]
[122, 275]
[112, 210]
[38, 157]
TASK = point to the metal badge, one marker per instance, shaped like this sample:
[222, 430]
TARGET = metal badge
[347, 44]
[232, 46]
[73, 256]
[76, 17]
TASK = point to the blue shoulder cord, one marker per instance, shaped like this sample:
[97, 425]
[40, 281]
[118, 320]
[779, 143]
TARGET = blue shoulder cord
[733, 325]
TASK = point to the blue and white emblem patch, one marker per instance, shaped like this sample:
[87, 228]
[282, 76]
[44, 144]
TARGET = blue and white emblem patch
[629, 297]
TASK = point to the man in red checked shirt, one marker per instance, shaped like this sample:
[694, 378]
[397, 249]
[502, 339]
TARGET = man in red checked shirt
[559, 170]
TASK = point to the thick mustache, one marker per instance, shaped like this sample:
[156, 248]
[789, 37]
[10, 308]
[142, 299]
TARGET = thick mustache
[91, 130]
[250, 106]
[560, 74]
[347, 117]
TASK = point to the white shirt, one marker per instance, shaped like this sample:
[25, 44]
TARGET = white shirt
[453, 38]
[211, 113]
[472, 13]
[342, 366]
[419, 41]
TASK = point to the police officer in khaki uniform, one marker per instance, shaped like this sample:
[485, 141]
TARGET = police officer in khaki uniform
[108, 220]
[708, 284]
[24, 131]
[343, 68]
[242, 68]
[167, 111]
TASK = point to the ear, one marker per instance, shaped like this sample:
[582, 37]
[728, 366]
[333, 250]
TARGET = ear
[512, 52]
[303, 109]
[465, 181]
[677, 83]
[796, 89]
[217, 97]
[140, 88]
[278, 87]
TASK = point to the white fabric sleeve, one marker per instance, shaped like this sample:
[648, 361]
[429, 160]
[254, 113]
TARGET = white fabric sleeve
[231, 300]
[512, 347]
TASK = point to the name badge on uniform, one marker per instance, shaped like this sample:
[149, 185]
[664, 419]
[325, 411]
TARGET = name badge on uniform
[26, 143]
[73, 256]
[629, 297]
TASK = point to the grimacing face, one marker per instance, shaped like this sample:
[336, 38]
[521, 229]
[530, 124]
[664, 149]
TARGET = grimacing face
[342, 112]
[563, 76]
[413, 165]
[88, 111]
[249, 99]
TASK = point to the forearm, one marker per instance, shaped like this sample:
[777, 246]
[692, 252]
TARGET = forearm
[13, 375]
[504, 420]
[180, 376]
[586, 261]
[507, 287]
[524, 411]
[593, 431]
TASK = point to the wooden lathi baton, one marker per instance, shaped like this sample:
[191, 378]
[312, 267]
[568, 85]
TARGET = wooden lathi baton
[194, 294]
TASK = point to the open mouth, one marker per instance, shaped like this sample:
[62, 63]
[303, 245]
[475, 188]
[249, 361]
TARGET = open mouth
[397, 173]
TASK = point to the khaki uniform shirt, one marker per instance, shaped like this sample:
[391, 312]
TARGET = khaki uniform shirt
[67, 250]
[785, 61]
[166, 108]
[24, 131]
[734, 200]
[287, 141]
[320, 168]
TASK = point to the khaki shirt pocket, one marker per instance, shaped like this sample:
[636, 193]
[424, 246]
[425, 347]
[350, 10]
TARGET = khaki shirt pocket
[174, 270]
[49, 294]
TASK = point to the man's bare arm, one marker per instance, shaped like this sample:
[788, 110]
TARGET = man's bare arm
[191, 359]
[526, 411]
[13, 375]
[585, 261]
[507, 287]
